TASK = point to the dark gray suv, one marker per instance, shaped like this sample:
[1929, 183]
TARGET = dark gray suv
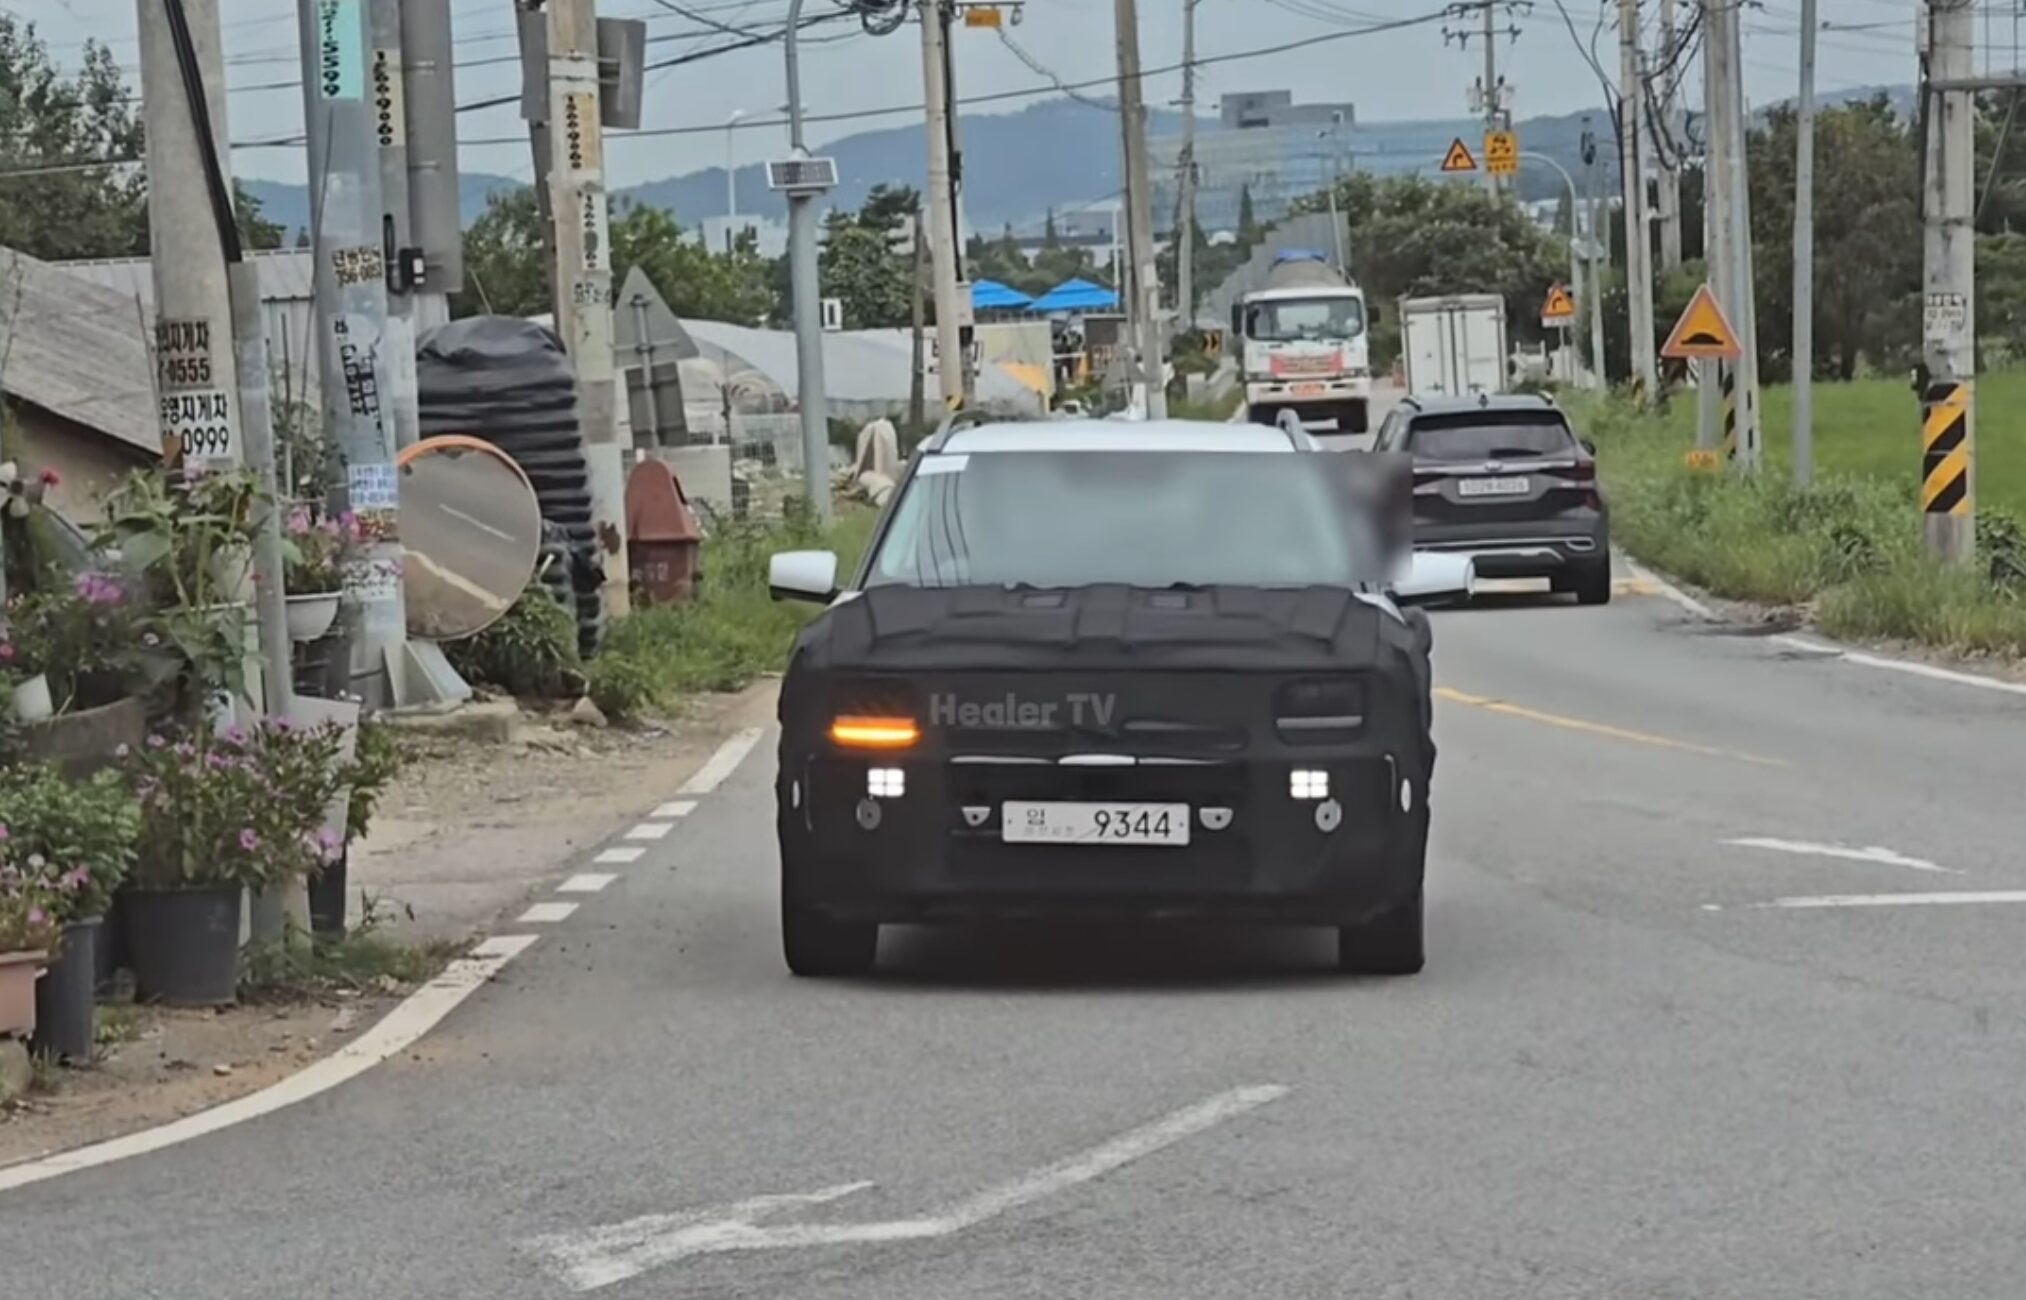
[1505, 479]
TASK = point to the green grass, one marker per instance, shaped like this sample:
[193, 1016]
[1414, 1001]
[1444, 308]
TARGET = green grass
[1848, 550]
[732, 631]
[1870, 428]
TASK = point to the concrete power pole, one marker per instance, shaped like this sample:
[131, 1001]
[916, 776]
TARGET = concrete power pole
[943, 252]
[1715, 406]
[1600, 257]
[1185, 214]
[1738, 223]
[390, 139]
[1491, 117]
[429, 92]
[811, 394]
[918, 320]
[351, 310]
[583, 269]
[1948, 274]
[1638, 239]
[1140, 215]
[1671, 131]
[197, 375]
[1804, 257]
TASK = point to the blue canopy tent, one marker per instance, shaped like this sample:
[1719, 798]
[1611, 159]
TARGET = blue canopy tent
[990, 295]
[1075, 295]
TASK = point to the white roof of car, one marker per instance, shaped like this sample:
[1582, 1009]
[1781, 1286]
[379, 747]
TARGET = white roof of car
[1118, 435]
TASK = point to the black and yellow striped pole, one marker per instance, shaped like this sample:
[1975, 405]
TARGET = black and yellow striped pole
[1728, 406]
[1945, 460]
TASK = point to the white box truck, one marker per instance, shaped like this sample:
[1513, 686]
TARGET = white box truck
[1454, 346]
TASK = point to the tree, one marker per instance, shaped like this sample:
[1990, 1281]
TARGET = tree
[51, 208]
[506, 268]
[1050, 237]
[864, 262]
[1249, 229]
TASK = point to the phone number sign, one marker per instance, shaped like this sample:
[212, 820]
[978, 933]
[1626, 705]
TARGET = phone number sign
[197, 418]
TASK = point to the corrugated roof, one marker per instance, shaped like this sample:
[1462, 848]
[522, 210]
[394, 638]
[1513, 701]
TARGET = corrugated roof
[77, 348]
[286, 274]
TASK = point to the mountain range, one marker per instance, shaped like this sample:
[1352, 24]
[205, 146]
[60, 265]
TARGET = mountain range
[1055, 155]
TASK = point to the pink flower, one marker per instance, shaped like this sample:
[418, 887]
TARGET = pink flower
[50, 478]
[4, 832]
[248, 840]
[6, 652]
[36, 916]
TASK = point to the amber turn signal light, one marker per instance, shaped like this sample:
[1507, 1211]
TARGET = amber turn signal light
[874, 733]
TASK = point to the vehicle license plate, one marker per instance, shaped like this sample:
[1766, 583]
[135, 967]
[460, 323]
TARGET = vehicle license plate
[1095, 823]
[1491, 487]
[1308, 390]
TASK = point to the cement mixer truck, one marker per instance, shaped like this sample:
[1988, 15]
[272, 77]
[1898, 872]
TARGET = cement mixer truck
[1303, 346]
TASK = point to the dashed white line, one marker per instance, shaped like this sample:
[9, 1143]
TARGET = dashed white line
[420, 1012]
[650, 831]
[723, 763]
[1872, 853]
[619, 856]
[680, 808]
[547, 913]
[1903, 900]
[590, 882]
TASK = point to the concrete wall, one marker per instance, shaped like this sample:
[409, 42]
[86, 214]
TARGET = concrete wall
[88, 463]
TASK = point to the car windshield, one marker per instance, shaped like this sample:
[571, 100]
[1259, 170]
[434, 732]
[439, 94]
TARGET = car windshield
[1144, 519]
[1489, 435]
[1304, 319]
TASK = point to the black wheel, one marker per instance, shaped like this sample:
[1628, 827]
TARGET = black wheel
[816, 946]
[1266, 415]
[1387, 944]
[1593, 583]
[1354, 417]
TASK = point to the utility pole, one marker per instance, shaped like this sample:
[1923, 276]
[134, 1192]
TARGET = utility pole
[583, 267]
[1491, 118]
[1140, 216]
[1599, 258]
[197, 380]
[270, 596]
[1948, 274]
[918, 312]
[387, 79]
[952, 122]
[429, 92]
[351, 311]
[1804, 257]
[1671, 131]
[1638, 239]
[943, 252]
[1738, 202]
[1716, 412]
[811, 396]
[1185, 216]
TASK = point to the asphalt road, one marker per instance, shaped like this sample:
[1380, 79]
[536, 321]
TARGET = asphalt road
[1624, 1074]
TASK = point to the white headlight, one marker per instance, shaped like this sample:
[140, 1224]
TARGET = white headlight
[1306, 784]
[885, 782]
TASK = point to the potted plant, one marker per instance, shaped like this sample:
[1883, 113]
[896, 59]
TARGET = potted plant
[313, 576]
[27, 929]
[86, 628]
[23, 669]
[302, 769]
[73, 843]
[377, 758]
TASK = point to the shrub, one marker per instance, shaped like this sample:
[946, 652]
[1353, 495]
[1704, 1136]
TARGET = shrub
[77, 838]
[620, 685]
[531, 651]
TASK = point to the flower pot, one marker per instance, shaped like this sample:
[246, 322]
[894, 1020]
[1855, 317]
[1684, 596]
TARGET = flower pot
[109, 950]
[66, 1008]
[267, 912]
[18, 972]
[185, 944]
[31, 699]
[327, 898]
[311, 615]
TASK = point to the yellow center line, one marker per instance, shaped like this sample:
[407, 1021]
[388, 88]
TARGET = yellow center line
[1491, 705]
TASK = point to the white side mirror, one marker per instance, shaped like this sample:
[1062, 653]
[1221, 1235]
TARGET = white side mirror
[803, 575]
[1430, 578]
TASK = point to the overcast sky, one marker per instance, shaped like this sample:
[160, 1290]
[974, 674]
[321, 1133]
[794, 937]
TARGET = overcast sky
[1407, 73]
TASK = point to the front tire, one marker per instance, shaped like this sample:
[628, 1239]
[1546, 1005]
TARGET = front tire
[817, 947]
[1390, 943]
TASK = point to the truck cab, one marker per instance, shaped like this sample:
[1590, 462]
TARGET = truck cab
[1303, 345]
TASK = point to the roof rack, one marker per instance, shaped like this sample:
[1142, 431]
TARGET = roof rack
[962, 417]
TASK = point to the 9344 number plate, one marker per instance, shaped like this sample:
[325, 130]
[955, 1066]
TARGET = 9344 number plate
[1163, 824]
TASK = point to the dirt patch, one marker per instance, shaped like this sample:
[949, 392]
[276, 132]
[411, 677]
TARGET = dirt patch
[469, 831]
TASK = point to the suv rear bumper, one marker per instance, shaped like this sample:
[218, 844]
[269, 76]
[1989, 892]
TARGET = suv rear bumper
[1533, 550]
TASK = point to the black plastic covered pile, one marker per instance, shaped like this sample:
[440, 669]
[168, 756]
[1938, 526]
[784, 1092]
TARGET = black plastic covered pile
[508, 381]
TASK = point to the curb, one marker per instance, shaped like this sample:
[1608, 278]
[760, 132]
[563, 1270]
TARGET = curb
[1822, 647]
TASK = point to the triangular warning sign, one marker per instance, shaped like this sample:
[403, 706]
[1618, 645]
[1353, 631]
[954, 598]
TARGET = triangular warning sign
[1458, 158]
[1559, 306]
[1702, 331]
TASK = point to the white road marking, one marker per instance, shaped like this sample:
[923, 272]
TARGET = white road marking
[680, 808]
[650, 831]
[546, 913]
[619, 856]
[590, 882]
[723, 763]
[1885, 857]
[600, 1257]
[1903, 900]
[417, 1014]
[1668, 589]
